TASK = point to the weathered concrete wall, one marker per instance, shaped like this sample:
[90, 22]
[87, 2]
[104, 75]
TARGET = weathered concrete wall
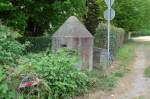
[96, 57]
[84, 47]
[99, 58]
[86, 52]
[74, 35]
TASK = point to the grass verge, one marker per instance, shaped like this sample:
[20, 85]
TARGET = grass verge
[147, 72]
[124, 56]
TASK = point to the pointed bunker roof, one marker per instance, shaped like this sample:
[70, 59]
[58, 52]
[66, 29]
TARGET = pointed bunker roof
[73, 28]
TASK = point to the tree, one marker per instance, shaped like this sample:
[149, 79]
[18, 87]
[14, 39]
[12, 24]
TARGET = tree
[91, 19]
[131, 15]
[34, 17]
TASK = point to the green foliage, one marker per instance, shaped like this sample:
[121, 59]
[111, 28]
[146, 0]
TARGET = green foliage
[147, 72]
[125, 54]
[34, 17]
[107, 81]
[101, 81]
[5, 6]
[116, 37]
[5, 88]
[37, 44]
[10, 49]
[10, 52]
[58, 74]
[143, 32]
[58, 71]
[131, 15]
[3, 85]
[91, 20]
[141, 97]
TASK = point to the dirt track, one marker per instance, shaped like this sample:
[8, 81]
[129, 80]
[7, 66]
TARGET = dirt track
[135, 85]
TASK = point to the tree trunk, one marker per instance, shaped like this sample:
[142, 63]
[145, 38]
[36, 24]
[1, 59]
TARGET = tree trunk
[33, 29]
[91, 20]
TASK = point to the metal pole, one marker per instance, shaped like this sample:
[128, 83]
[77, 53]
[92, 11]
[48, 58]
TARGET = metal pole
[108, 43]
[108, 46]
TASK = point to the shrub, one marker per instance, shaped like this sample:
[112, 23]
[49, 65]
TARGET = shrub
[10, 49]
[116, 37]
[147, 72]
[58, 71]
[7, 90]
[142, 32]
[10, 52]
[37, 43]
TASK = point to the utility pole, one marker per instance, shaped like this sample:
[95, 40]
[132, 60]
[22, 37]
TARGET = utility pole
[109, 14]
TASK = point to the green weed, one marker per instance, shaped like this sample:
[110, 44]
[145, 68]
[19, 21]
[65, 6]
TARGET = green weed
[140, 97]
[126, 53]
[147, 72]
[125, 56]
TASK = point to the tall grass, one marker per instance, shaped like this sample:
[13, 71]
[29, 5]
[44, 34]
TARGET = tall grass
[147, 72]
[125, 56]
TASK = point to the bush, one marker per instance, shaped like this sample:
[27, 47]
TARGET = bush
[37, 43]
[7, 87]
[59, 73]
[116, 37]
[143, 32]
[10, 52]
[10, 49]
[147, 72]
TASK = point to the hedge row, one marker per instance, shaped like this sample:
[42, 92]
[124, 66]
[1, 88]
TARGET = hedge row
[143, 32]
[10, 49]
[37, 44]
[43, 75]
[117, 37]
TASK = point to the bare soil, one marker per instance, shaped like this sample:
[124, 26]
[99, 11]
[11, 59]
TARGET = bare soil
[135, 85]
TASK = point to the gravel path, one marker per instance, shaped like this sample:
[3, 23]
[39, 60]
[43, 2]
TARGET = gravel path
[139, 84]
[135, 85]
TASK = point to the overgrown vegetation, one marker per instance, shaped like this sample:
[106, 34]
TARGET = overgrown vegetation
[47, 75]
[57, 71]
[33, 17]
[91, 19]
[126, 55]
[37, 44]
[147, 72]
[129, 14]
[107, 81]
[10, 49]
[116, 37]
[55, 75]
[143, 32]
[10, 52]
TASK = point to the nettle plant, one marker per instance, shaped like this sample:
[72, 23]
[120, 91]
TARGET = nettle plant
[10, 49]
[10, 52]
[58, 72]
